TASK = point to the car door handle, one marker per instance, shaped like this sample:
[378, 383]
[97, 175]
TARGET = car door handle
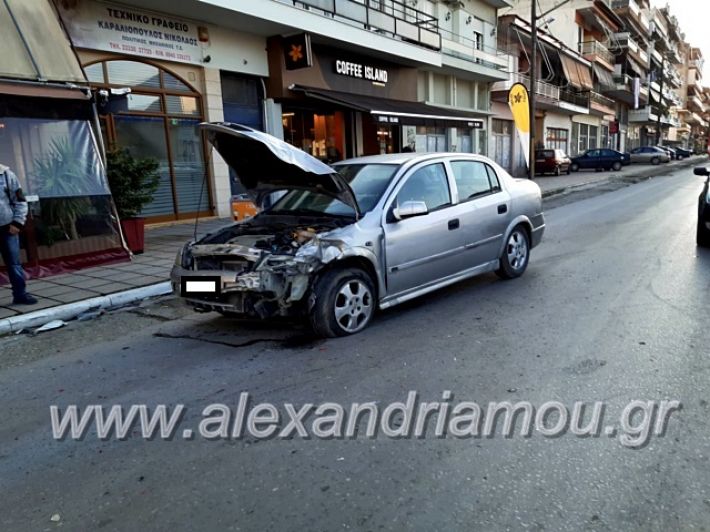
[502, 209]
[454, 224]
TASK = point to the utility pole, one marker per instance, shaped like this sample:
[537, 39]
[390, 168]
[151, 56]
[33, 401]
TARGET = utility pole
[533, 83]
[660, 102]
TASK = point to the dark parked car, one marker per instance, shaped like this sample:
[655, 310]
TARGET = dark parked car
[601, 159]
[552, 162]
[702, 233]
[682, 153]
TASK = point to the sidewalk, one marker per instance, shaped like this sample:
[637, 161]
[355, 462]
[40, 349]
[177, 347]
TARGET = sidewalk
[152, 268]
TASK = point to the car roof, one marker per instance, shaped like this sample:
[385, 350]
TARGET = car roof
[408, 157]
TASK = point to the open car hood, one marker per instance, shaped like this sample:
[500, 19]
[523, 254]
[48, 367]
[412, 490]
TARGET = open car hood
[265, 164]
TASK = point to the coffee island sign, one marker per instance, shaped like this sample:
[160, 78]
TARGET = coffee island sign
[360, 71]
[127, 30]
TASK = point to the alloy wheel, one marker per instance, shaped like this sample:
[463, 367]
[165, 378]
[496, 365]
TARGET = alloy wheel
[517, 250]
[353, 306]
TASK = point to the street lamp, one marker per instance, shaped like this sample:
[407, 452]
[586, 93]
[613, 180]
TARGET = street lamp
[534, 17]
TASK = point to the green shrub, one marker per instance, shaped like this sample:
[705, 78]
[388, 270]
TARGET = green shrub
[133, 181]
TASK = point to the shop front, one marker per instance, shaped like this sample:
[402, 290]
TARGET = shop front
[161, 76]
[339, 105]
[49, 138]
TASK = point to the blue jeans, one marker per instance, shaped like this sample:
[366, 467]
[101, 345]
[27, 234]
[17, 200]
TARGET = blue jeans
[10, 252]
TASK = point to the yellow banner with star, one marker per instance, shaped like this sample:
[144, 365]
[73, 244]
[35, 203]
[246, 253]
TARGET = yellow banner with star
[519, 102]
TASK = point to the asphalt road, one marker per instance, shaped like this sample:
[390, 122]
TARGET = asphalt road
[613, 308]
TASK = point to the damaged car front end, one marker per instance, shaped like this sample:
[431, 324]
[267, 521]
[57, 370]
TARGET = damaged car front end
[265, 265]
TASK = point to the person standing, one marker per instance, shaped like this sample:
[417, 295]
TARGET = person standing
[13, 214]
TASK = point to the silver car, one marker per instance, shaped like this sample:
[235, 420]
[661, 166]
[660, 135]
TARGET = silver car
[339, 242]
[649, 154]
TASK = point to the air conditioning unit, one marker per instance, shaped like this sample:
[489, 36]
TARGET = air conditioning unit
[455, 4]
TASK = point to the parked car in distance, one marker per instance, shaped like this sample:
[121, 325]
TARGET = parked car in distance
[364, 234]
[670, 151]
[649, 154]
[683, 153]
[600, 159]
[702, 232]
[551, 161]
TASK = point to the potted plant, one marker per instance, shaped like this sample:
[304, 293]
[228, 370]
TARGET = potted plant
[133, 181]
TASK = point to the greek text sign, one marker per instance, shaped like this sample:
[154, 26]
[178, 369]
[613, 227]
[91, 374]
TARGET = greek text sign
[127, 30]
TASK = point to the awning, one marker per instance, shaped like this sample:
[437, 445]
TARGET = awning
[604, 77]
[578, 74]
[34, 45]
[386, 110]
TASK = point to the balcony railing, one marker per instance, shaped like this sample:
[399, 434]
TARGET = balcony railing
[462, 47]
[546, 91]
[602, 100]
[595, 48]
[390, 17]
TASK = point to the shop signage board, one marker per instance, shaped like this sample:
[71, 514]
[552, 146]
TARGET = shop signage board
[128, 30]
[360, 71]
[297, 51]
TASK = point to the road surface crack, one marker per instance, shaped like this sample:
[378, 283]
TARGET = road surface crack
[248, 343]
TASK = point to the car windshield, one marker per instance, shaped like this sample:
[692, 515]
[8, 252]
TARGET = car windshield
[368, 182]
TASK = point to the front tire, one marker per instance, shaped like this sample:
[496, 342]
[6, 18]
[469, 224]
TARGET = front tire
[616, 166]
[655, 161]
[516, 254]
[342, 303]
[558, 172]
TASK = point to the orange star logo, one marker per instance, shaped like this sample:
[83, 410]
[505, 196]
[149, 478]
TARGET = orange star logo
[295, 54]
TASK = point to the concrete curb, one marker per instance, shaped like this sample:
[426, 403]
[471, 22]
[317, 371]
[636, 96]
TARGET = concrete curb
[645, 174]
[72, 310]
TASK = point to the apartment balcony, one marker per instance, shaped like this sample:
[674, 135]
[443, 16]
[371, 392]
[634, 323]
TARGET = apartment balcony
[627, 42]
[695, 104]
[631, 11]
[393, 18]
[697, 64]
[644, 115]
[623, 90]
[549, 96]
[601, 105]
[466, 54]
[596, 52]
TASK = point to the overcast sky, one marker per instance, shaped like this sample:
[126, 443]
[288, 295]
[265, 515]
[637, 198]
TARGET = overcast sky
[693, 17]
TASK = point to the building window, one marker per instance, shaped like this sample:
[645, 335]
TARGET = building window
[557, 139]
[482, 99]
[431, 139]
[606, 140]
[593, 137]
[158, 120]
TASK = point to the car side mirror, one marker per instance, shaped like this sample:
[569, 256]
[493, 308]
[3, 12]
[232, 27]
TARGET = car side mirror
[702, 170]
[409, 209]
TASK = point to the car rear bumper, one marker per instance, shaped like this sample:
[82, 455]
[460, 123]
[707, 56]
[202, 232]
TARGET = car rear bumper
[538, 229]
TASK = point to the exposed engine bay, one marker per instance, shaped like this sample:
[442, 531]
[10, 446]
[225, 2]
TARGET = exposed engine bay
[266, 264]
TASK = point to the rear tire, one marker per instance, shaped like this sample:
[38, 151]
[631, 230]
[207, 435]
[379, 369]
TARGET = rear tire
[342, 302]
[574, 167]
[616, 166]
[516, 254]
[569, 170]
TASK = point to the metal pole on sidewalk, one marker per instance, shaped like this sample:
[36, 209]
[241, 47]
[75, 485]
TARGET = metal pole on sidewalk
[533, 83]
